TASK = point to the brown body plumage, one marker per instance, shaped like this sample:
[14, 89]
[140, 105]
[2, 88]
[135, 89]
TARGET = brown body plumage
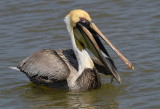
[56, 68]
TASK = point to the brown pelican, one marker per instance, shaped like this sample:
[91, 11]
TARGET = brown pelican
[74, 69]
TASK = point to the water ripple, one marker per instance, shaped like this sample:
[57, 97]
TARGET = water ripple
[133, 27]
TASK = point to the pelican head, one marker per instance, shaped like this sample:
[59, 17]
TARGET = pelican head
[85, 35]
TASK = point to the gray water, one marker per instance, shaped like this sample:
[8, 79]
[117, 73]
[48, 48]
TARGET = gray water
[132, 26]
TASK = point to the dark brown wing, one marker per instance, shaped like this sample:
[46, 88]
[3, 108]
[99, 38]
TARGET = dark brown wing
[49, 66]
[44, 66]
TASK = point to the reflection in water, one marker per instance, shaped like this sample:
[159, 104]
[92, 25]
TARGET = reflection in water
[92, 99]
[34, 97]
[71, 99]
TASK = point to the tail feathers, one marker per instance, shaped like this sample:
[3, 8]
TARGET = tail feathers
[14, 68]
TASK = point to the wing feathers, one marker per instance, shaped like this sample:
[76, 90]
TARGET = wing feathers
[46, 65]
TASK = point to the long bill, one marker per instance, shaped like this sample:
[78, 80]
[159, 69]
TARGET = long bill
[85, 37]
[103, 56]
[123, 58]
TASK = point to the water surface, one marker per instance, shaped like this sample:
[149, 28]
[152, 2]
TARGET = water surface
[132, 26]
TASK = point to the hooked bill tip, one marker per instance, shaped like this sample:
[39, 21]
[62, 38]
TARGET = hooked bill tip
[132, 67]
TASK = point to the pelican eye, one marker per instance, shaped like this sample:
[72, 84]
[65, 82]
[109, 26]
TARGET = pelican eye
[84, 21]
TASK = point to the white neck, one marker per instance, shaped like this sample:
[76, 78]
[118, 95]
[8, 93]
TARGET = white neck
[83, 58]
